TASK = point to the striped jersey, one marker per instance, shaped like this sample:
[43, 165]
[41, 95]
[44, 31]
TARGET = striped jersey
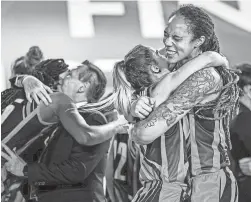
[164, 165]
[124, 154]
[21, 124]
[208, 151]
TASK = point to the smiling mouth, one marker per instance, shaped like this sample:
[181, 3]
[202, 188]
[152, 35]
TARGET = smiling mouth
[170, 52]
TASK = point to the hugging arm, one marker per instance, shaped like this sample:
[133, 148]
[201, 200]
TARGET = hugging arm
[163, 89]
[75, 169]
[185, 97]
[33, 88]
[67, 113]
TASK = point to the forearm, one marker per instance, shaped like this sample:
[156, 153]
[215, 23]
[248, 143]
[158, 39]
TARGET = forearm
[190, 93]
[185, 71]
[99, 134]
[85, 134]
[171, 81]
[156, 124]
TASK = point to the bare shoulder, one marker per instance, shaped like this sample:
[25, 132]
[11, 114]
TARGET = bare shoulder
[207, 79]
[215, 78]
[61, 102]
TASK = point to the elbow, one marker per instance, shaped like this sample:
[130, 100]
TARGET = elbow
[88, 139]
[83, 139]
[141, 138]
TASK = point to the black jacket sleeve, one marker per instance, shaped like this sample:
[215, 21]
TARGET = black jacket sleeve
[241, 135]
[81, 162]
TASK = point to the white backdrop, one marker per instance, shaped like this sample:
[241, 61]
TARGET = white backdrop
[104, 32]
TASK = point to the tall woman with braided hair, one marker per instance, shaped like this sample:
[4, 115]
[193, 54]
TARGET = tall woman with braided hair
[208, 97]
[144, 67]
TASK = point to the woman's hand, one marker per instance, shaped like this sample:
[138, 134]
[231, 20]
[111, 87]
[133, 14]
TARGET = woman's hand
[14, 164]
[122, 125]
[35, 89]
[142, 107]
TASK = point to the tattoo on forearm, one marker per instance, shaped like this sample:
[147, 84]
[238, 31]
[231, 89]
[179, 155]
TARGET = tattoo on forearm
[184, 98]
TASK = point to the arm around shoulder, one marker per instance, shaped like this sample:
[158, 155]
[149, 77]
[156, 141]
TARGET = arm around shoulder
[194, 90]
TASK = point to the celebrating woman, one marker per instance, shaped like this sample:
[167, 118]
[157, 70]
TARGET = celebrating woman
[208, 97]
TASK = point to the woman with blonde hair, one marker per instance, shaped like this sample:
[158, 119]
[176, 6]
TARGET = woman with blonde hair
[145, 71]
[197, 112]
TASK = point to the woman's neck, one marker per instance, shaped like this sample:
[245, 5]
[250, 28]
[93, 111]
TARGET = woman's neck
[246, 101]
[194, 54]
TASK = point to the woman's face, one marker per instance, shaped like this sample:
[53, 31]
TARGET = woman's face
[178, 40]
[160, 68]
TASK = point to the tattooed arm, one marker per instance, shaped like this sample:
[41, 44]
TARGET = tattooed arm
[161, 90]
[167, 85]
[191, 92]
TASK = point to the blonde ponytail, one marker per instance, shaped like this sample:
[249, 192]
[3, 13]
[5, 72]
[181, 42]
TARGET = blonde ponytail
[103, 106]
[122, 88]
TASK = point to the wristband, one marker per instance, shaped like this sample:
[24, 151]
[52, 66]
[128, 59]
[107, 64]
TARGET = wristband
[19, 80]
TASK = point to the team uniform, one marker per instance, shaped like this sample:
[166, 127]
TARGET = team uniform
[164, 166]
[22, 120]
[124, 162]
[67, 164]
[211, 179]
[21, 125]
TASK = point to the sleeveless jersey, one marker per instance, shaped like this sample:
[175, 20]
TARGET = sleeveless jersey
[125, 168]
[164, 162]
[21, 124]
[208, 144]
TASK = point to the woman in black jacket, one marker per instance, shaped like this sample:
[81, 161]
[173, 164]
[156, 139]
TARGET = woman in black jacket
[241, 135]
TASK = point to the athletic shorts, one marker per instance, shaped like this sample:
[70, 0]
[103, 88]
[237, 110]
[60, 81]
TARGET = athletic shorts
[219, 186]
[159, 191]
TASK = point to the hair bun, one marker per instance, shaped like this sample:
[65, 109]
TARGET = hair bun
[33, 56]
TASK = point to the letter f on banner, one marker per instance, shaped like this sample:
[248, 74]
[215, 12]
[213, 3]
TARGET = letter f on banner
[80, 15]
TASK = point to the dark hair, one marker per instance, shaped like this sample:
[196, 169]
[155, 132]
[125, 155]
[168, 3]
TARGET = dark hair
[135, 64]
[26, 64]
[200, 24]
[98, 82]
[48, 71]
[244, 74]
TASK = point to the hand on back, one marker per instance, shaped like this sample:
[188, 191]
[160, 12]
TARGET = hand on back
[35, 90]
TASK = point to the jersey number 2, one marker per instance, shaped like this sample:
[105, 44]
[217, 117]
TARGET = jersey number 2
[122, 150]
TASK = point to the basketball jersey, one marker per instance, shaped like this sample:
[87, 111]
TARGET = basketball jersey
[164, 163]
[208, 150]
[21, 123]
[125, 168]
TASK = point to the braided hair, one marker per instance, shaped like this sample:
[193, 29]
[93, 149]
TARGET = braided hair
[47, 72]
[200, 24]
